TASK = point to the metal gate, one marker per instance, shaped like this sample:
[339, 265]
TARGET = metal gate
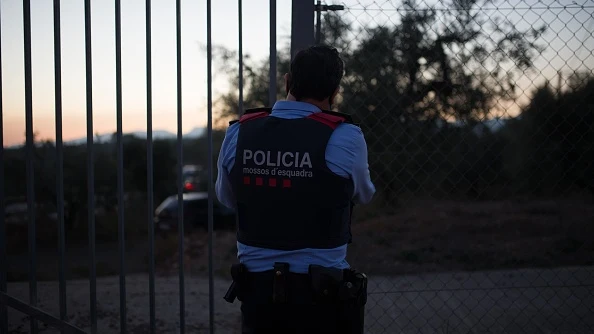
[303, 34]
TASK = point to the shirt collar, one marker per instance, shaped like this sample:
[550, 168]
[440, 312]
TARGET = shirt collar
[280, 106]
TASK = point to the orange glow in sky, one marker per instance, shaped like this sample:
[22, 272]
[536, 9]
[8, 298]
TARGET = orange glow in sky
[224, 32]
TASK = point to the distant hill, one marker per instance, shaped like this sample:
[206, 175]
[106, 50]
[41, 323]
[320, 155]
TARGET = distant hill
[494, 125]
[157, 134]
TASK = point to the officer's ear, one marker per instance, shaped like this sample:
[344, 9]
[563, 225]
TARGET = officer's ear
[333, 96]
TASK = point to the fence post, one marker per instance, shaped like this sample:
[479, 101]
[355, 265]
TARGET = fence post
[273, 55]
[302, 25]
[3, 254]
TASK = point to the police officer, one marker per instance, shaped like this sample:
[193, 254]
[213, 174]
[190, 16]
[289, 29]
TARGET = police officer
[293, 174]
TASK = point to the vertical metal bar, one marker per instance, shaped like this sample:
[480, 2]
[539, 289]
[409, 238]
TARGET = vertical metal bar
[3, 256]
[31, 204]
[90, 168]
[120, 172]
[302, 25]
[180, 206]
[318, 22]
[59, 160]
[210, 162]
[240, 21]
[149, 167]
[272, 87]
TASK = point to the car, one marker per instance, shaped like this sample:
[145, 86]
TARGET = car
[192, 177]
[195, 212]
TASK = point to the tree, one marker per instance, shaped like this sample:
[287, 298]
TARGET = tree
[406, 83]
[553, 151]
[256, 82]
[431, 68]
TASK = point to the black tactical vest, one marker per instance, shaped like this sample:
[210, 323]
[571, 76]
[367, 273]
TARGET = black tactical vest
[287, 198]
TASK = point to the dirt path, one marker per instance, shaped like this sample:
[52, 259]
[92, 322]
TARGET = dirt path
[513, 301]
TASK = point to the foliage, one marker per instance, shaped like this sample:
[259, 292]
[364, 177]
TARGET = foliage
[424, 91]
[429, 70]
[105, 165]
[255, 80]
[553, 151]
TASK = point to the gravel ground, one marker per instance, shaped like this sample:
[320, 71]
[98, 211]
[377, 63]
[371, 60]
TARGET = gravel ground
[557, 300]
[227, 316]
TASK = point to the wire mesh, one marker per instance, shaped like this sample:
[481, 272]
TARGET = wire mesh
[479, 124]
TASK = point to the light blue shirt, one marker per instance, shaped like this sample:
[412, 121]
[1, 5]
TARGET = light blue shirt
[346, 155]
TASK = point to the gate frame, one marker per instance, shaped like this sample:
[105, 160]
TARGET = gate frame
[302, 35]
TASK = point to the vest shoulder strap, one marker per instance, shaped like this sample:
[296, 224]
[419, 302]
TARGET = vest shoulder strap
[331, 118]
[252, 113]
[347, 118]
[328, 117]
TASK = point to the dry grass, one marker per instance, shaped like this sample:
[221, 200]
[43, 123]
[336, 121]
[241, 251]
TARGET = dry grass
[429, 236]
[449, 235]
[424, 236]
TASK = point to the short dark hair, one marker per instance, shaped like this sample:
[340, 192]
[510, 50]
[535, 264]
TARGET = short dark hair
[315, 72]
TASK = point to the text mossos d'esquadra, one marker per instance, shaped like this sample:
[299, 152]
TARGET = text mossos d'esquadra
[270, 163]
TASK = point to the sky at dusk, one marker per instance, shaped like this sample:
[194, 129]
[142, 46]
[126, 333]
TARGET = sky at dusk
[224, 32]
[570, 46]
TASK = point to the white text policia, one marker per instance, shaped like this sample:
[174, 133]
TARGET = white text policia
[265, 160]
[284, 159]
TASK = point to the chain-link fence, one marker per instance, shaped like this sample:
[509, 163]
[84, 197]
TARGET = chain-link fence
[479, 119]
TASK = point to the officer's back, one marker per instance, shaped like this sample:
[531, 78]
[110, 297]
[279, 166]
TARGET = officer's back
[293, 174]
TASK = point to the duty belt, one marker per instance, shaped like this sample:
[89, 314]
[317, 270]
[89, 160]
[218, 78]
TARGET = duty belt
[320, 285]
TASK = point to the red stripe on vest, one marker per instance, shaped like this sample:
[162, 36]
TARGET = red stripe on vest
[327, 119]
[252, 116]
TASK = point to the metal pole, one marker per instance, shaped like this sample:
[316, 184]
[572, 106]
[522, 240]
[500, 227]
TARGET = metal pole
[120, 169]
[210, 163]
[149, 167]
[180, 207]
[272, 70]
[30, 146]
[302, 25]
[59, 161]
[3, 256]
[318, 22]
[240, 19]
[90, 168]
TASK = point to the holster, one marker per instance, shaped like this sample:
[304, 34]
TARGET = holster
[280, 288]
[353, 297]
[238, 272]
[325, 283]
[345, 288]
